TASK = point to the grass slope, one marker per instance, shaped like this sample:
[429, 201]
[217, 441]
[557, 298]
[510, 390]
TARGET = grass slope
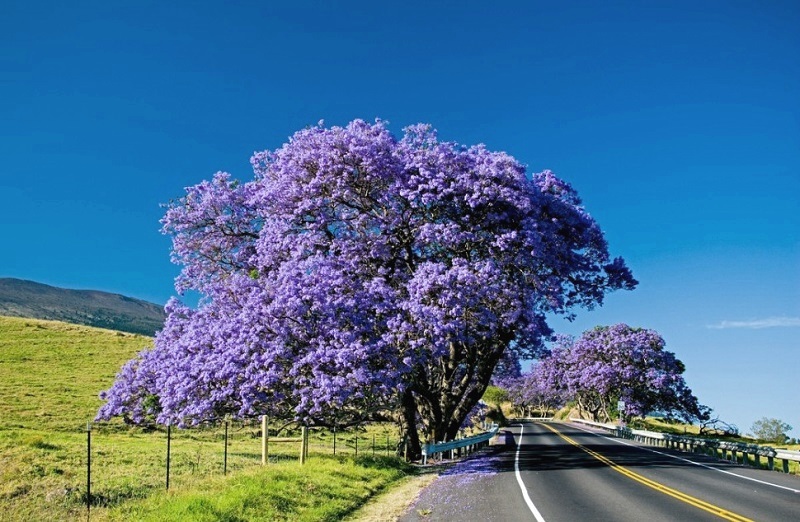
[50, 376]
[51, 372]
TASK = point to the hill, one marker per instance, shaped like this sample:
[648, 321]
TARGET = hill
[19, 298]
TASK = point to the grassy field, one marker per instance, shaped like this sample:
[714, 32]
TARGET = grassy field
[50, 377]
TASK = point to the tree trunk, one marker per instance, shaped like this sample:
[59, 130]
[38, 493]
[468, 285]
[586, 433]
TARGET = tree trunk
[445, 392]
[413, 450]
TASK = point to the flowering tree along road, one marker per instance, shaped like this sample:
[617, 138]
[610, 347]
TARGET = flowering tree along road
[539, 390]
[609, 364]
[358, 272]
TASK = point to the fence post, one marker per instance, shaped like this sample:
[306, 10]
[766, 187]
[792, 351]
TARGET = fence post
[264, 440]
[225, 458]
[169, 437]
[88, 469]
[303, 444]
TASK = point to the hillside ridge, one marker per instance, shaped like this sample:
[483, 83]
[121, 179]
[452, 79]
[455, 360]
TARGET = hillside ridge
[29, 299]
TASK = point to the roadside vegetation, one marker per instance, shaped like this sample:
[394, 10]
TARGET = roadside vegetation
[50, 376]
[326, 488]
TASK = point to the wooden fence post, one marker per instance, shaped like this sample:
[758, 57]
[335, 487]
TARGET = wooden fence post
[303, 444]
[169, 440]
[88, 469]
[264, 440]
[225, 458]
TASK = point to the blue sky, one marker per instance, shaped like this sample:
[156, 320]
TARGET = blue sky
[678, 123]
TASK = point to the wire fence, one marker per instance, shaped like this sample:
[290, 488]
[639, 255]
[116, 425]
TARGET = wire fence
[71, 473]
[123, 463]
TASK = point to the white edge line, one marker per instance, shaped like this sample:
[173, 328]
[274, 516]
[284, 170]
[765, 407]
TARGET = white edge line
[687, 460]
[536, 514]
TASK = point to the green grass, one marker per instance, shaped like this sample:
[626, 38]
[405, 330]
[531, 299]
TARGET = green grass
[50, 377]
[51, 373]
[327, 488]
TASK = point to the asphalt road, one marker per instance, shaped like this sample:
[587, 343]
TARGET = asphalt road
[569, 473]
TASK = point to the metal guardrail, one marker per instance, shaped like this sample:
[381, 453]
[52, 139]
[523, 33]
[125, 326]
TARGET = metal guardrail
[717, 448]
[470, 443]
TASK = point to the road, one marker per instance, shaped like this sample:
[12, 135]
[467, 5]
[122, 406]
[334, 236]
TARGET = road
[554, 472]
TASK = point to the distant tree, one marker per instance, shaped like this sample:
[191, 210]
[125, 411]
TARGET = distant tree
[709, 423]
[538, 390]
[358, 272]
[495, 395]
[771, 430]
[621, 363]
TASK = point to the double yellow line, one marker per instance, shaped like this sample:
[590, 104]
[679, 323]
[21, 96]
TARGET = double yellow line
[696, 502]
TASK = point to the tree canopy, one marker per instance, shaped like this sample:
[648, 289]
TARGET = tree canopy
[771, 430]
[357, 272]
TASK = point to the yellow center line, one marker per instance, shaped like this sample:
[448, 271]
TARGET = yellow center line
[696, 502]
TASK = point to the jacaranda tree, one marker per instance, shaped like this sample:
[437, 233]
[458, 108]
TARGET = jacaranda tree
[539, 389]
[357, 272]
[621, 363]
